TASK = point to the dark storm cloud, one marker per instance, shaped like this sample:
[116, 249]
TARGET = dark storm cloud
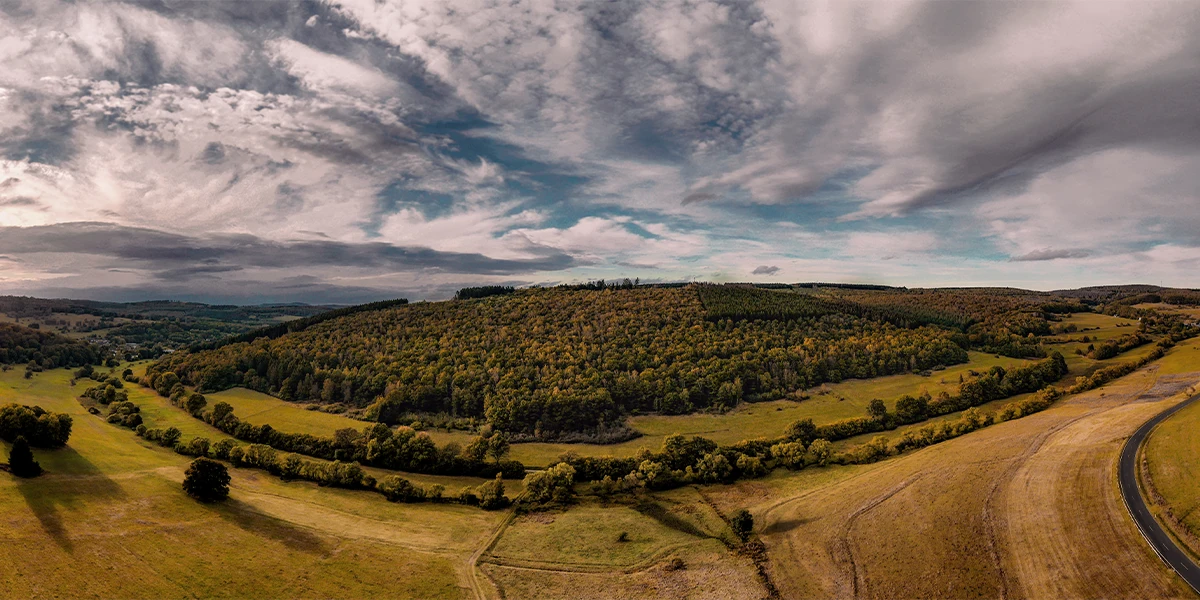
[174, 256]
[1050, 254]
[196, 272]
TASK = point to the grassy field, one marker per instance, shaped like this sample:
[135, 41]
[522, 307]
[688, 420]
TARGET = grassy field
[711, 572]
[1183, 358]
[1098, 328]
[258, 408]
[1172, 461]
[109, 520]
[72, 320]
[1024, 508]
[578, 553]
[587, 536]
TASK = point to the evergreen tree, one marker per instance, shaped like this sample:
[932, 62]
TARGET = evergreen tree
[20, 459]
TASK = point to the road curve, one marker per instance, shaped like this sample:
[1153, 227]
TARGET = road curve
[1175, 557]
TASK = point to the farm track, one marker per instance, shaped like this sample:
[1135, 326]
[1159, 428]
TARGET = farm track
[1027, 508]
[843, 546]
[473, 570]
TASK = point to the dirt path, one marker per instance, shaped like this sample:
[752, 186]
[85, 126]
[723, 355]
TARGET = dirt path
[481, 589]
[1024, 509]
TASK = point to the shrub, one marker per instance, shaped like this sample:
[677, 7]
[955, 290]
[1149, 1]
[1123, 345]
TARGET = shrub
[195, 404]
[221, 449]
[206, 480]
[197, 447]
[750, 466]
[170, 437]
[742, 524]
[399, 489]
[789, 454]
[819, 452]
[491, 494]
[713, 468]
[802, 431]
[291, 467]
[552, 485]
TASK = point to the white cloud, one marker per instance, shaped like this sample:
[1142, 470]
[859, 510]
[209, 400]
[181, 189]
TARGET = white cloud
[1013, 129]
[323, 72]
[1106, 202]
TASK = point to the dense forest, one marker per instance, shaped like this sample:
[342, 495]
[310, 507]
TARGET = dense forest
[146, 329]
[545, 363]
[19, 344]
[1003, 321]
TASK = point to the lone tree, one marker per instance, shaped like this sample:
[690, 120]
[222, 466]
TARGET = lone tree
[742, 523]
[877, 410]
[20, 459]
[497, 446]
[206, 480]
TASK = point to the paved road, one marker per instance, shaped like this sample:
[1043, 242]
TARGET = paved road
[1162, 543]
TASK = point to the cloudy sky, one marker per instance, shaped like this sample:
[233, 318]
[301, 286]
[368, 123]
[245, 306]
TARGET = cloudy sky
[352, 150]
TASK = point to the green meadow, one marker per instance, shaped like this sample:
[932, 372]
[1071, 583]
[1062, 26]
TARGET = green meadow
[108, 519]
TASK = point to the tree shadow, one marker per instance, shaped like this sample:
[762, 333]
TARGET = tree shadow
[244, 516]
[52, 492]
[784, 525]
[44, 507]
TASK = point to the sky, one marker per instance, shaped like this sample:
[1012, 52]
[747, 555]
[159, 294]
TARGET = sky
[353, 150]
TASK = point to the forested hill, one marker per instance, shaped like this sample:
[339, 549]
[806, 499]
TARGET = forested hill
[544, 362]
[43, 350]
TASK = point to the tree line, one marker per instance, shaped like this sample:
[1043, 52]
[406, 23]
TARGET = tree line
[347, 474]
[377, 445]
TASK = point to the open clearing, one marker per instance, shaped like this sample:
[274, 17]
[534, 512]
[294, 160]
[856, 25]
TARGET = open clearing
[258, 408]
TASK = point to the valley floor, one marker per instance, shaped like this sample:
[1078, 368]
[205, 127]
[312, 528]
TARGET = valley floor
[1026, 508]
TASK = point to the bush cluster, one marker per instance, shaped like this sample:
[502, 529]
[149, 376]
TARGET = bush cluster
[39, 427]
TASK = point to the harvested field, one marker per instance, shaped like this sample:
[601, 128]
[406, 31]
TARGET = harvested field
[1028, 508]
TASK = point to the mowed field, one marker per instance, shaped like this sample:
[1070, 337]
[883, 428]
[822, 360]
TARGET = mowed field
[109, 519]
[1026, 508]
